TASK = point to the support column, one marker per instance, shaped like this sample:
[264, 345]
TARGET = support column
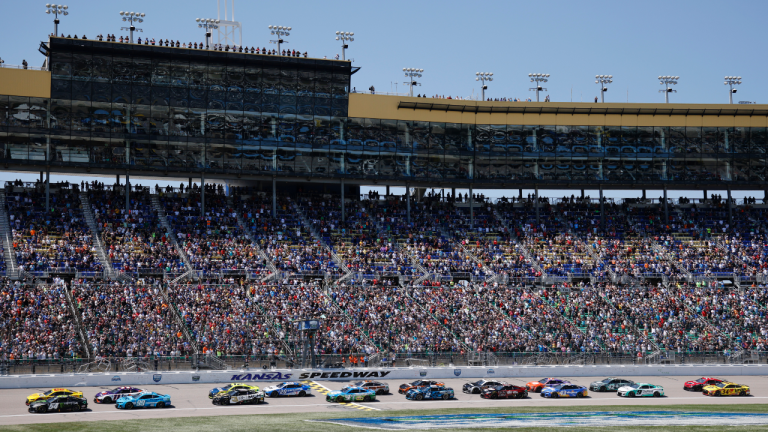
[190, 184]
[117, 178]
[202, 195]
[536, 203]
[274, 197]
[408, 202]
[127, 193]
[705, 194]
[41, 177]
[387, 190]
[582, 194]
[343, 213]
[730, 209]
[765, 196]
[602, 211]
[666, 208]
[520, 194]
[453, 194]
[471, 209]
[47, 191]
[643, 193]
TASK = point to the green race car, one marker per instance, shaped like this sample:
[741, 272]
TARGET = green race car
[641, 389]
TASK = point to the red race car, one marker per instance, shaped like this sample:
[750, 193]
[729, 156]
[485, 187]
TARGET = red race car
[507, 391]
[700, 383]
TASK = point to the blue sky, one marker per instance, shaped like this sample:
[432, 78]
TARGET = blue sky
[701, 41]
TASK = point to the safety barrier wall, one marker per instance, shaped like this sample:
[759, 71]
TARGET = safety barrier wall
[278, 375]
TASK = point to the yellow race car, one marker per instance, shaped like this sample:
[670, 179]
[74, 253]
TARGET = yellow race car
[725, 388]
[231, 386]
[51, 394]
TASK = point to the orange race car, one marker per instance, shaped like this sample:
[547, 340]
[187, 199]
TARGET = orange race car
[417, 384]
[537, 386]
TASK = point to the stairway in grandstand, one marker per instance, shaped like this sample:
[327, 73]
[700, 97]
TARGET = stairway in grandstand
[249, 234]
[520, 246]
[170, 235]
[90, 220]
[348, 274]
[81, 333]
[11, 268]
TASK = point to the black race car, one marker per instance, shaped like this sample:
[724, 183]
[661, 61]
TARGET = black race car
[417, 384]
[59, 404]
[507, 391]
[477, 386]
[239, 397]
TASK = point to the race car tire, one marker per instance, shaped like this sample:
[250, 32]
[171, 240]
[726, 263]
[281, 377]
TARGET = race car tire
[366, 399]
[554, 395]
[475, 390]
[580, 395]
[274, 394]
[419, 396]
[717, 393]
[76, 408]
[161, 404]
[631, 394]
[742, 393]
[494, 396]
[107, 400]
[521, 395]
[42, 409]
[302, 393]
[379, 392]
[603, 389]
[537, 390]
[129, 405]
[446, 396]
[656, 394]
[340, 399]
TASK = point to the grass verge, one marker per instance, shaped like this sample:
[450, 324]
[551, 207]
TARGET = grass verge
[295, 421]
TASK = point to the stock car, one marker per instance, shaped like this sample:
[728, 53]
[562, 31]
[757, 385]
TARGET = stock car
[699, 384]
[404, 388]
[609, 384]
[59, 404]
[430, 392]
[52, 393]
[351, 394]
[641, 389]
[537, 386]
[725, 388]
[477, 386]
[111, 396]
[231, 386]
[564, 390]
[144, 400]
[379, 387]
[287, 389]
[239, 396]
[507, 391]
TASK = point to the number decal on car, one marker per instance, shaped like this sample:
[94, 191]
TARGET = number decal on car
[140, 402]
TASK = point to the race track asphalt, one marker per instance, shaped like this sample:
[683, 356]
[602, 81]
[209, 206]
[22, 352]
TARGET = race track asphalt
[192, 400]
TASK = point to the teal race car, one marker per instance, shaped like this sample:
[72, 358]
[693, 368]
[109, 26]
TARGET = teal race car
[144, 400]
[641, 389]
[351, 394]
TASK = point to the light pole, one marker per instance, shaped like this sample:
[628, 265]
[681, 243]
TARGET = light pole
[538, 78]
[412, 73]
[208, 24]
[132, 17]
[279, 31]
[484, 76]
[603, 80]
[666, 81]
[732, 81]
[56, 10]
[344, 37]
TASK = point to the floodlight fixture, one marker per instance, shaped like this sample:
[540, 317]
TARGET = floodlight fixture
[208, 24]
[345, 38]
[731, 81]
[132, 17]
[538, 78]
[279, 31]
[56, 10]
[483, 77]
[412, 74]
[603, 80]
[666, 81]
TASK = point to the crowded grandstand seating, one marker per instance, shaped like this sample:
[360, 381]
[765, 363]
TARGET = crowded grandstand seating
[617, 279]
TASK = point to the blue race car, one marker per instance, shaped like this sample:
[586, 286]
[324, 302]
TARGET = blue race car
[351, 394]
[431, 392]
[144, 400]
[564, 390]
[287, 389]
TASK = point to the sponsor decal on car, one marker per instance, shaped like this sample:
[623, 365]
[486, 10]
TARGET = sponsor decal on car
[423, 373]
[157, 377]
[195, 378]
[327, 375]
[115, 378]
[457, 372]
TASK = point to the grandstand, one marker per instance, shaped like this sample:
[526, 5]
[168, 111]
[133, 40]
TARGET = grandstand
[268, 227]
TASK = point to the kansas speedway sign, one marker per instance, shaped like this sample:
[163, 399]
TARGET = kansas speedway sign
[342, 375]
